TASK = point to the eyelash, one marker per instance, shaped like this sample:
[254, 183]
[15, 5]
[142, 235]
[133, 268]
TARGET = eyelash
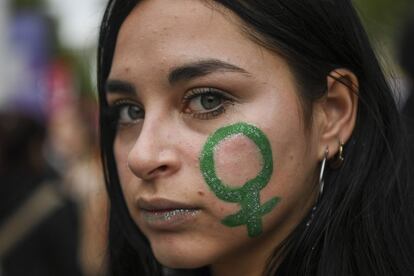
[114, 110]
[205, 91]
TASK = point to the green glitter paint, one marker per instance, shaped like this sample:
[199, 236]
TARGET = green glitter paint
[247, 196]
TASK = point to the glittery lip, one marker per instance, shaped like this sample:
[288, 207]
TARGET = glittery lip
[164, 214]
[170, 216]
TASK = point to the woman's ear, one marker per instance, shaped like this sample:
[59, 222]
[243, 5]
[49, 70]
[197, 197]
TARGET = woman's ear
[337, 110]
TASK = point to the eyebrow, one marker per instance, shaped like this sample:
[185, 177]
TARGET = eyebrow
[119, 86]
[184, 72]
[201, 68]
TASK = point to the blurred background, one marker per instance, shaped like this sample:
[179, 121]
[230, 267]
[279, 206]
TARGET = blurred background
[52, 197]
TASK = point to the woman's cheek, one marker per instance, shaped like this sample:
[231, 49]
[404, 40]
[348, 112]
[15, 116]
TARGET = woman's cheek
[237, 160]
[237, 163]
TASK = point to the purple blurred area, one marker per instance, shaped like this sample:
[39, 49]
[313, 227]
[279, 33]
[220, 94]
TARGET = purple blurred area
[30, 41]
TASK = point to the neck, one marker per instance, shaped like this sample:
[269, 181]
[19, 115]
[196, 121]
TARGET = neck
[240, 267]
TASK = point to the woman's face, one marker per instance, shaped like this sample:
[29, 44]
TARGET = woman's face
[181, 71]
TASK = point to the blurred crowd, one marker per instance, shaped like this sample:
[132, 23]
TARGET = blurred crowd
[53, 203]
[52, 197]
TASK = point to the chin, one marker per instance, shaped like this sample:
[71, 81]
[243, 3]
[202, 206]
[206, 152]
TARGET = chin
[180, 257]
[180, 262]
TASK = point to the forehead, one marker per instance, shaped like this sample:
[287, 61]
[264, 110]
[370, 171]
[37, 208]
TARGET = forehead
[168, 33]
[159, 19]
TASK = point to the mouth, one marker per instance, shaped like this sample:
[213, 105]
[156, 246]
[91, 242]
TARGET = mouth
[164, 214]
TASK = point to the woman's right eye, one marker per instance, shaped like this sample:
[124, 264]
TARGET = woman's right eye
[128, 113]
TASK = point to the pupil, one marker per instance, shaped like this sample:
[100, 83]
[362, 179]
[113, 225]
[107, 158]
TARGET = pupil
[134, 112]
[210, 101]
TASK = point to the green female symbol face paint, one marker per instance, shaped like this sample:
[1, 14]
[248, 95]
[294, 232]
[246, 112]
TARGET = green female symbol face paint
[248, 195]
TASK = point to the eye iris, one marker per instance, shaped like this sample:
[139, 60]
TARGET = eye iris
[210, 101]
[134, 112]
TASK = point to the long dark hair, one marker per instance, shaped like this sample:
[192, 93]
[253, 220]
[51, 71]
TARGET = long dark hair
[364, 221]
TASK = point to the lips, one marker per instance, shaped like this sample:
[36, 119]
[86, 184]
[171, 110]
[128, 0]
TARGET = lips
[165, 214]
[160, 204]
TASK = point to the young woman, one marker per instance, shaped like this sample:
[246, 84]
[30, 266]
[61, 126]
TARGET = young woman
[250, 138]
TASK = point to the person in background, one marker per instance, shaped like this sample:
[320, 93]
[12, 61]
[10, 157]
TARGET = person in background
[49, 83]
[39, 225]
[73, 149]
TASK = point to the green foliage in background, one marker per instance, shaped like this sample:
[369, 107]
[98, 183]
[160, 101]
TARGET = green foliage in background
[384, 18]
[27, 4]
[384, 21]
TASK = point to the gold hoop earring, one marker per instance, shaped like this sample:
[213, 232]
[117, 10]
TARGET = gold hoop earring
[338, 160]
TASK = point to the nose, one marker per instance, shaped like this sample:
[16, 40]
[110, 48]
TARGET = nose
[155, 152]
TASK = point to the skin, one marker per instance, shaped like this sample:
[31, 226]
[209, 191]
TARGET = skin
[248, 195]
[158, 155]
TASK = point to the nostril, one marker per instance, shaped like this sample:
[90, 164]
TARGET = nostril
[162, 168]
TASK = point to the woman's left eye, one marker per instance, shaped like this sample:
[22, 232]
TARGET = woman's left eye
[206, 103]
